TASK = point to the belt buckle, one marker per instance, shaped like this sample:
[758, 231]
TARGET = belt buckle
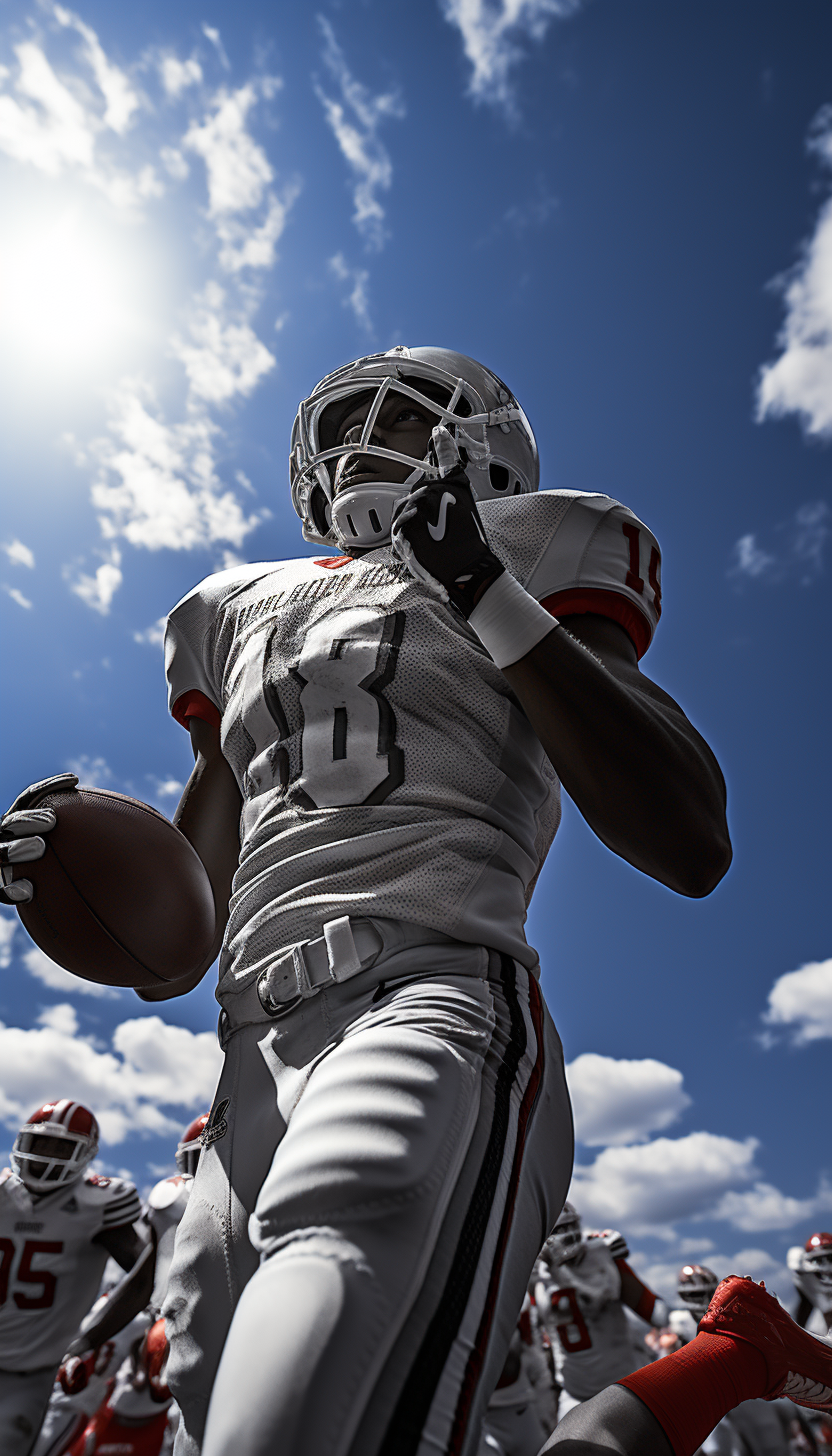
[270, 1003]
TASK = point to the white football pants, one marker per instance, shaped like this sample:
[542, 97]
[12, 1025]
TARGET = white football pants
[24, 1396]
[358, 1241]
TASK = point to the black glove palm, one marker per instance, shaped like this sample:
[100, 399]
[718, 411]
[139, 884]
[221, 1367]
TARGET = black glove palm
[437, 532]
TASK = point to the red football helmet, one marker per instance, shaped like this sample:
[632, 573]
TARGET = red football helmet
[55, 1145]
[818, 1258]
[190, 1147]
[696, 1286]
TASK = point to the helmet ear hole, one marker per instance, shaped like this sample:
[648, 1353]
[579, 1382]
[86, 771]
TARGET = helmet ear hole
[498, 475]
[321, 511]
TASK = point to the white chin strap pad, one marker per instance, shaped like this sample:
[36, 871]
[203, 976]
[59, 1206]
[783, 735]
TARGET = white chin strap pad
[362, 516]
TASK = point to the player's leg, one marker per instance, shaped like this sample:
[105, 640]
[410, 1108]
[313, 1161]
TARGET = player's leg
[213, 1256]
[24, 1396]
[748, 1348]
[614, 1421]
[424, 1163]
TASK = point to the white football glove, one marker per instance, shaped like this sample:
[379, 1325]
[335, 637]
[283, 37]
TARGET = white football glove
[21, 831]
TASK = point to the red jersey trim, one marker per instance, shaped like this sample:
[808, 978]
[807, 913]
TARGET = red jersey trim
[333, 562]
[194, 704]
[606, 604]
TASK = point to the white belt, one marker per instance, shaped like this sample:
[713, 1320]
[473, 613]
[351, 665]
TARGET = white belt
[345, 948]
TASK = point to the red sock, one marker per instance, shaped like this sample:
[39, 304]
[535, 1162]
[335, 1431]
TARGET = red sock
[691, 1390]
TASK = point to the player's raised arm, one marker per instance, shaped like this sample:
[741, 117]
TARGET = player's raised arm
[643, 778]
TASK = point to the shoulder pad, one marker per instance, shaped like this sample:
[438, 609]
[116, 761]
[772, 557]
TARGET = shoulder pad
[166, 1192]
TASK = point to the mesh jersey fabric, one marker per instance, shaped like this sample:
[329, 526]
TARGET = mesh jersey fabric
[54, 1269]
[386, 768]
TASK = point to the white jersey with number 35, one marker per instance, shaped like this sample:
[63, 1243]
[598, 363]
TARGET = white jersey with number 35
[385, 766]
[50, 1269]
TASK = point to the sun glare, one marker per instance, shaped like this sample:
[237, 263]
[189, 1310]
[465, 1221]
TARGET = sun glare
[69, 292]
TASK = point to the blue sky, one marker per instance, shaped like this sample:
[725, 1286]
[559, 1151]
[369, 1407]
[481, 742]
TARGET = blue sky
[625, 210]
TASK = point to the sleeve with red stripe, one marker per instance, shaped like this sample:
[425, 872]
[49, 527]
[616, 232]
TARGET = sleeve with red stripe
[634, 1292]
[579, 552]
[194, 704]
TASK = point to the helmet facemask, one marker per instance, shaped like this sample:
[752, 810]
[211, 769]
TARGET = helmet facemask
[564, 1242]
[46, 1156]
[359, 517]
[696, 1287]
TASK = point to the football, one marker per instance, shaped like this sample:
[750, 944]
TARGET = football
[121, 897]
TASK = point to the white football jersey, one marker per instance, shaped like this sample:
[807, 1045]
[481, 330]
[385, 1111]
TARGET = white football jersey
[385, 766]
[163, 1212]
[587, 1323]
[50, 1269]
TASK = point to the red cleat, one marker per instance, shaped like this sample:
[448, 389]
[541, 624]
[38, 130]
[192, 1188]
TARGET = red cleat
[799, 1365]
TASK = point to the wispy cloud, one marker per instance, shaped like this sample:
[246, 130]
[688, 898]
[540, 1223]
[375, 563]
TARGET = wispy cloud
[223, 356]
[355, 116]
[17, 596]
[176, 76]
[493, 32]
[356, 299]
[800, 380]
[98, 588]
[121, 100]
[211, 33]
[795, 552]
[18, 554]
[153, 636]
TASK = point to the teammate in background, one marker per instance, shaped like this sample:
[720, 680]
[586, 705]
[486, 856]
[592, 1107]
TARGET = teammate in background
[379, 740]
[523, 1407]
[811, 1266]
[58, 1225]
[583, 1286]
[114, 1382]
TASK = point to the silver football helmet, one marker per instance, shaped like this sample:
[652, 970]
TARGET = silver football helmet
[566, 1237]
[696, 1286]
[495, 442]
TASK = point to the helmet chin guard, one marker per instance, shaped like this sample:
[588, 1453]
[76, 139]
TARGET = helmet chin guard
[494, 439]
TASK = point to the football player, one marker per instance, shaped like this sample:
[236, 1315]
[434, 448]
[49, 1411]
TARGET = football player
[58, 1225]
[584, 1287]
[380, 737]
[85, 1385]
[523, 1407]
[811, 1266]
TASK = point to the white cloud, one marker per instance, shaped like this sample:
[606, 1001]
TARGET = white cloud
[802, 1000]
[357, 298]
[8, 929]
[765, 1207]
[225, 358]
[95, 771]
[121, 100]
[60, 1017]
[177, 76]
[355, 119]
[644, 1189]
[797, 552]
[17, 596]
[154, 636]
[157, 485]
[253, 245]
[616, 1101]
[47, 126]
[152, 1070]
[18, 554]
[238, 168]
[99, 589]
[57, 979]
[174, 163]
[800, 380]
[490, 31]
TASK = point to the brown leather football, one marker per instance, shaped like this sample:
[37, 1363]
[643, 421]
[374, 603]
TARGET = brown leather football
[121, 897]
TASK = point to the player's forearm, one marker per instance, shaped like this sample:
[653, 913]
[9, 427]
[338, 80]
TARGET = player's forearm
[130, 1296]
[639, 773]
